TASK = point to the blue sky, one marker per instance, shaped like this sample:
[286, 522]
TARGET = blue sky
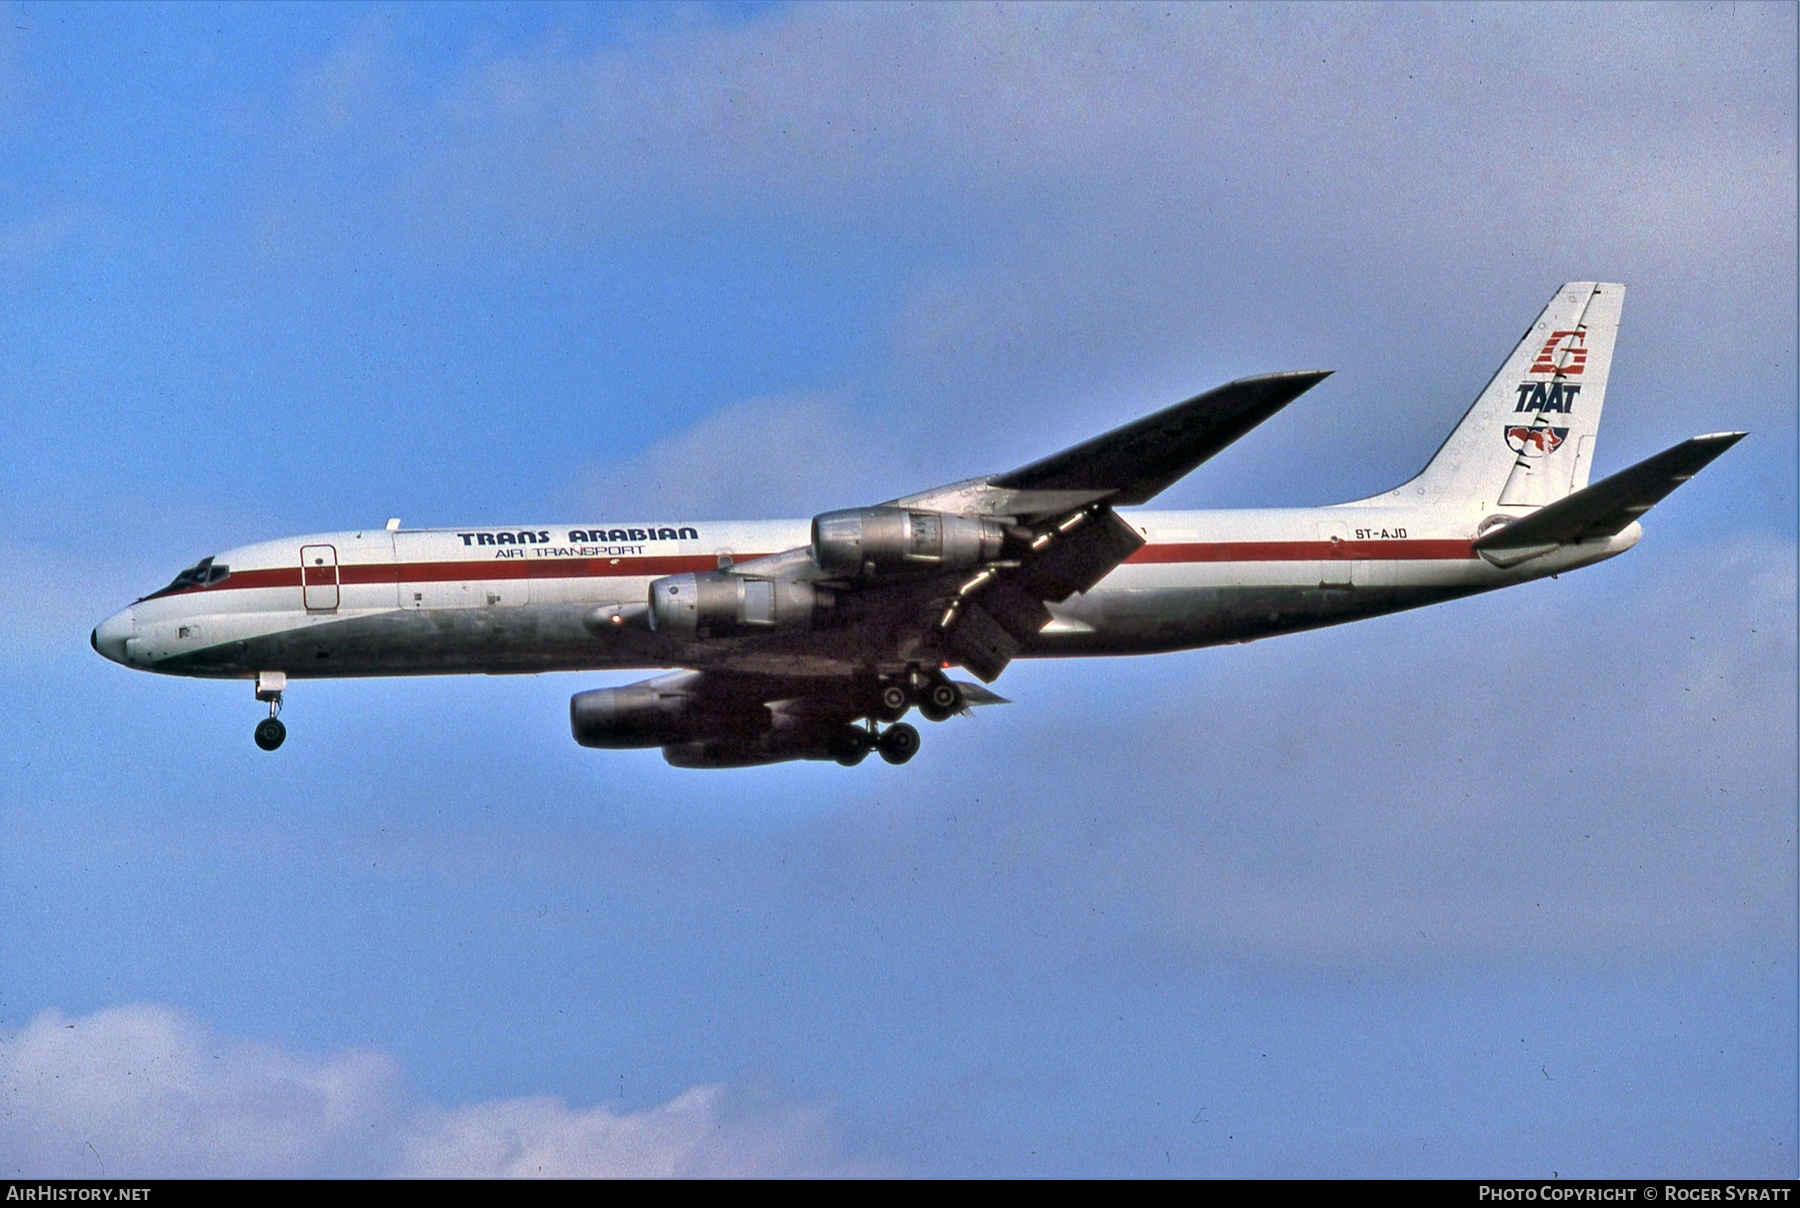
[1501, 887]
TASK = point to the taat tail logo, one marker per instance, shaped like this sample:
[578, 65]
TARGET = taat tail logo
[1573, 345]
[1534, 441]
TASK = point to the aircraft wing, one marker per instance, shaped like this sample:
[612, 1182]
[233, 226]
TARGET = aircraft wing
[1062, 533]
[1131, 464]
[883, 622]
[1065, 502]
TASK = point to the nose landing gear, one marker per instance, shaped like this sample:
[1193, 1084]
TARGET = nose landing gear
[270, 733]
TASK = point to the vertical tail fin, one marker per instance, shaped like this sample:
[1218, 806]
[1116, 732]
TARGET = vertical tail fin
[1529, 438]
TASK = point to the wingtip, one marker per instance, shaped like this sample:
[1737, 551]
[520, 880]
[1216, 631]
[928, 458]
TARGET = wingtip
[1306, 379]
[1312, 377]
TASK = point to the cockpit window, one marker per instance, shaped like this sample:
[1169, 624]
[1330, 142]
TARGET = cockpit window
[200, 574]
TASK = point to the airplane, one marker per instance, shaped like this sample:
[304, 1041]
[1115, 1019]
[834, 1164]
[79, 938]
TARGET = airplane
[812, 639]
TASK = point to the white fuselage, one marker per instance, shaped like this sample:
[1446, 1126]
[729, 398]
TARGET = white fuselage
[550, 597]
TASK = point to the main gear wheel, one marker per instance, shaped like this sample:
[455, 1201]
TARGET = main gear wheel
[941, 700]
[898, 743]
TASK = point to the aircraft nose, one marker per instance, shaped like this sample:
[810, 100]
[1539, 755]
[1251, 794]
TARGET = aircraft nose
[109, 636]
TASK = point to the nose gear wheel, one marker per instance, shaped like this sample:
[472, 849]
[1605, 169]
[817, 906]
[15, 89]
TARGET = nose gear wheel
[270, 733]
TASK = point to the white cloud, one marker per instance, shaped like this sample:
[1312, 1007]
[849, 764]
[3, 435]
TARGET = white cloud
[1392, 136]
[759, 459]
[28, 242]
[146, 1091]
[691, 1136]
[1119, 205]
[351, 83]
[1155, 103]
[1082, 192]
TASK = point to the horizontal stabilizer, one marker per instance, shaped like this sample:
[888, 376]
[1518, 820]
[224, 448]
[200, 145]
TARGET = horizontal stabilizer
[1131, 464]
[1608, 506]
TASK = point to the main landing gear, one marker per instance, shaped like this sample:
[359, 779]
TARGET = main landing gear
[936, 697]
[896, 744]
[270, 733]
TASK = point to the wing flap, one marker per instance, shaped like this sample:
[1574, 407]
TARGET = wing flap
[1078, 555]
[1018, 611]
[1608, 506]
[981, 643]
[995, 615]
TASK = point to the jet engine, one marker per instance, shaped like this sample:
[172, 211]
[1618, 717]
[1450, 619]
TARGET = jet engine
[716, 601]
[655, 713]
[865, 540]
[636, 715]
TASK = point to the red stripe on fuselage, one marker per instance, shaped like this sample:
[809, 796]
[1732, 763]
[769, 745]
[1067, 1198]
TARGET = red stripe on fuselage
[461, 572]
[1304, 551]
[614, 568]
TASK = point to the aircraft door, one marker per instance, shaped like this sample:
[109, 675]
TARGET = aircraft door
[1335, 570]
[319, 577]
